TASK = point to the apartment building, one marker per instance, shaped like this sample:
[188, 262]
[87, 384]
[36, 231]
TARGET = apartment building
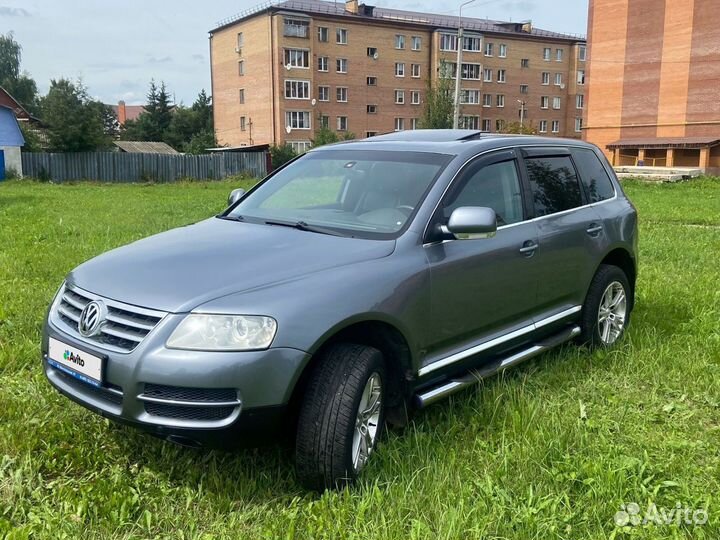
[281, 71]
[654, 68]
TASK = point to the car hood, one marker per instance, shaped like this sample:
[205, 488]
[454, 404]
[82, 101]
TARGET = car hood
[178, 270]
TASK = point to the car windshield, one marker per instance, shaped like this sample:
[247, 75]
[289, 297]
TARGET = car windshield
[350, 192]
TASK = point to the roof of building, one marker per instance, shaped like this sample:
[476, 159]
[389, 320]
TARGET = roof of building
[145, 147]
[132, 112]
[666, 142]
[398, 16]
[21, 113]
[10, 134]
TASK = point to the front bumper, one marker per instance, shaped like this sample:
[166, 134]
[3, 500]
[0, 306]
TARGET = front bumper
[171, 393]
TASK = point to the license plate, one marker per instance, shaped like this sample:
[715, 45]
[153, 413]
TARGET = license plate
[76, 363]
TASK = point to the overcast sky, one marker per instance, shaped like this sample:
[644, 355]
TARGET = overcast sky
[117, 47]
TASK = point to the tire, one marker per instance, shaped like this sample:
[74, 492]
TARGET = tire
[594, 323]
[327, 424]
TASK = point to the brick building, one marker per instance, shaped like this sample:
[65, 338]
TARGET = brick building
[281, 71]
[654, 67]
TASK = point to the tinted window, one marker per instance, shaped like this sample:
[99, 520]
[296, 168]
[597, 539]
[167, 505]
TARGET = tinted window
[495, 186]
[554, 184]
[598, 185]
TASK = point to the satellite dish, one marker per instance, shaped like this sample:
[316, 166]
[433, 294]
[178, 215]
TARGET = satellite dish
[288, 129]
[313, 102]
[562, 86]
[375, 56]
[288, 67]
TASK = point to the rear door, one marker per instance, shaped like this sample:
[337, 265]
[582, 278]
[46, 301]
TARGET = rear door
[570, 233]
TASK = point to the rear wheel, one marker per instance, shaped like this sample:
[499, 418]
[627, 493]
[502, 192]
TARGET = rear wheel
[341, 417]
[606, 312]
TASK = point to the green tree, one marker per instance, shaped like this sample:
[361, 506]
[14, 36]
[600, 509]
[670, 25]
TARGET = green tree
[281, 154]
[527, 128]
[33, 143]
[439, 105]
[74, 122]
[154, 123]
[17, 82]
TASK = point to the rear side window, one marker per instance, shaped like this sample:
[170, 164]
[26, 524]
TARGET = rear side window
[554, 184]
[595, 179]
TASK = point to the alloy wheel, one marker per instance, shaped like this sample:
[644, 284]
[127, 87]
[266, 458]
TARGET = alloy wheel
[612, 313]
[366, 422]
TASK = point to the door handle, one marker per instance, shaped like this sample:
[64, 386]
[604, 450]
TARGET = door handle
[594, 229]
[529, 248]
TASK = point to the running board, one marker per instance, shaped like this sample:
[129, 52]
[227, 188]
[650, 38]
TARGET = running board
[474, 376]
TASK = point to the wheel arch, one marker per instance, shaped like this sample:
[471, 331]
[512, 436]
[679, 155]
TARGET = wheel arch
[622, 258]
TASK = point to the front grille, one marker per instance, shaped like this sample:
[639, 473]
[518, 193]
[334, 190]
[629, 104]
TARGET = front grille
[179, 393]
[207, 414]
[109, 392]
[124, 328]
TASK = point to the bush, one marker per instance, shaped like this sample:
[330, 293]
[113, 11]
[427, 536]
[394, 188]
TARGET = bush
[281, 154]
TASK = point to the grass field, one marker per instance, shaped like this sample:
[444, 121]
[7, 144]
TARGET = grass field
[549, 450]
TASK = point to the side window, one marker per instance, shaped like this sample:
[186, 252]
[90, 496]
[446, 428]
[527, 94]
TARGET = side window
[554, 184]
[495, 186]
[595, 179]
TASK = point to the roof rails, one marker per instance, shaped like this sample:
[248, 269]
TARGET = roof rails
[431, 135]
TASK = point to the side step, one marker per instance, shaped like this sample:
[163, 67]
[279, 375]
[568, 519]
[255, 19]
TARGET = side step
[428, 397]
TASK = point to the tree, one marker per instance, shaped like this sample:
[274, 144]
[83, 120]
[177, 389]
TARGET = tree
[516, 128]
[18, 83]
[33, 143]
[325, 135]
[439, 105]
[74, 122]
[154, 123]
[281, 154]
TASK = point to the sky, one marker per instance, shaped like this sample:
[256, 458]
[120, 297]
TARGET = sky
[116, 48]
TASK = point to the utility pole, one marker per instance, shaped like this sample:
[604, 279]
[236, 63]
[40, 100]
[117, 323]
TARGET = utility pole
[458, 67]
[522, 113]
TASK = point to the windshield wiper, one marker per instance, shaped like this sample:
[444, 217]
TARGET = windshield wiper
[303, 226]
[231, 218]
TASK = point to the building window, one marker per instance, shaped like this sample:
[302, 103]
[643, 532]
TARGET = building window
[399, 124]
[470, 97]
[323, 63]
[556, 126]
[415, 97]
[372, 109]
[242, 123]
[341, 36]
[300, 147]
[413, 123]
[487, 125]
[500, 100]
[581, 76]
[471, 72]
[501, 76]
[372, 81]
[400, 97]
[297, 119]
[525, 63]
[502, 50]
[559, 53]
[296, 27]
[342, 123]
[447, 70]
[579, 101]
[545, 102]
[241, 95]
[469, 122]
[523, 88]
[582, 53]
[323, 34]
[487, 100]
[416, 43]
[324, 121]
[341, 65]
[556, 103]
[542, 128]
[297, 58]
[547, 53]
[341, 94]
[323, 93]
[399, 41]
[369, 134]
[488, 48]
[448, 42]
[487, 75]
[578, 125]
[473, 44]
[415, 70]
[399, 69]
[297, 89]
[558, 79]
[546, 78]
[372, 52]
[499, 125]
[241, 67]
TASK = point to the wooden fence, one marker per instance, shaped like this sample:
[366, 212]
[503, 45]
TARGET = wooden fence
[121, 167]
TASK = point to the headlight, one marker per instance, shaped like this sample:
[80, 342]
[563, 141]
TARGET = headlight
[200, 332]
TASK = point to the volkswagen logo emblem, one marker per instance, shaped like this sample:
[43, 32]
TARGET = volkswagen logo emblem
[91, 319]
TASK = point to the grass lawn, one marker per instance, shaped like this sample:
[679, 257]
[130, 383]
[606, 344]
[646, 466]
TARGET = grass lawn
[549, 450]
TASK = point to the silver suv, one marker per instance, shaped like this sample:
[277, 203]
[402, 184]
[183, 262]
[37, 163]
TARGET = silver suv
[359, 282]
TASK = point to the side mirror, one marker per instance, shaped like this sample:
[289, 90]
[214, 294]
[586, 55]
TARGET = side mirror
[235, 196]
[472, 222]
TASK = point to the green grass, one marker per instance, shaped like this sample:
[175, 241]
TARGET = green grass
[549, 450]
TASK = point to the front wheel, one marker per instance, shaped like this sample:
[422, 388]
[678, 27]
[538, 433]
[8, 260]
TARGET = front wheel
[341, 417]
[606, 312]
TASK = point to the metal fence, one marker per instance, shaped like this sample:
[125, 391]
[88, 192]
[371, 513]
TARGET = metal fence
[120, 167]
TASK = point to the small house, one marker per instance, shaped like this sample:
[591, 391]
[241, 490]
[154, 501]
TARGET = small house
[11, 141]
